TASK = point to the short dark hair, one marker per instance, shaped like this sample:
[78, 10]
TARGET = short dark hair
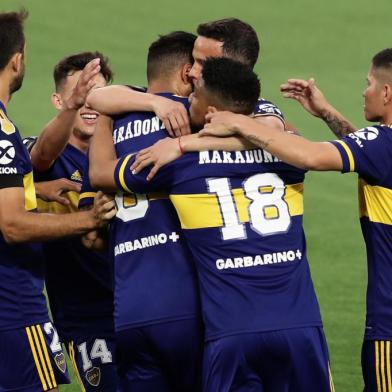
[12, 38]
[239, 39]
[383, 59]
[76, 62]
[234, 85]
[168, 52]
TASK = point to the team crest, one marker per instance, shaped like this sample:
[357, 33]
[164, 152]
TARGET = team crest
[5, 124]
[60, 362]
[93, 376]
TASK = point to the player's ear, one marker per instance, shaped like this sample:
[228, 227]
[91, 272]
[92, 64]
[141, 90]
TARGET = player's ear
[387, 93]
[185, 73]
[57, 101]
[17, 62]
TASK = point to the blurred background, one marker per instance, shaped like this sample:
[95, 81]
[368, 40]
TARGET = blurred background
[331, 41]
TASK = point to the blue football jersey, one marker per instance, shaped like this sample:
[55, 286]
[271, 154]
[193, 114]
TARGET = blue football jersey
[241, 214]
[154, 272]
[267, 108]
[22, 302]
[368, 152]
[78, 280]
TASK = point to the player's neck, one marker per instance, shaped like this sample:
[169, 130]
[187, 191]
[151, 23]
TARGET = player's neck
[5, 93]
[81, 144]
[161, 86]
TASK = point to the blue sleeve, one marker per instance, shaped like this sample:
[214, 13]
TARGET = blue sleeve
[267, 108]
[366, 152]
[137, 183]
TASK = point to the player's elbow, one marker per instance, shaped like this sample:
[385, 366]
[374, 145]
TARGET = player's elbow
[12, 233]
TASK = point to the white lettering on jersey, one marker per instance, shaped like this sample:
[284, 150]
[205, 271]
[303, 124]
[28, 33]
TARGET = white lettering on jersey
[253, 261]
[7, 152]
[236, 157]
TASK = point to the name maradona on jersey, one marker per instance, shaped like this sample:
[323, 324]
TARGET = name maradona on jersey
[253, 261]
[237, 157]
[137, 128]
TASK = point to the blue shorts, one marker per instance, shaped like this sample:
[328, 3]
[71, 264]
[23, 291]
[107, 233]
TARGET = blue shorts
[31, 359]
[161, 357]
[93, 359]
[376, 365]
[294, 360]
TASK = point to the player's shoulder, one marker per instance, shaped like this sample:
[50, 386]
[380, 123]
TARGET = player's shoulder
[375, 135]
[265, 107]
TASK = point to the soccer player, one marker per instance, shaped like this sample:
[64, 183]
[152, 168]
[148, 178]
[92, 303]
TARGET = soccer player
[230, 38]
[367, 152]
[157, 313]
[83, 316]
[241, 214]
[31, 357]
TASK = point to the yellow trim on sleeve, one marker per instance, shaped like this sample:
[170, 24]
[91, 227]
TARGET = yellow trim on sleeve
[208, 210]
[121, 173]
[349, 155]
[29, 191]
[85, 195]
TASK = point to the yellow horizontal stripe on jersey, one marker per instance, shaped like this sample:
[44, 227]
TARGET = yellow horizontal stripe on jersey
[375, 203]
[197, 211]
[130, 199]
[56, 208]
[85, 195]
[29, 191]
[349, 154]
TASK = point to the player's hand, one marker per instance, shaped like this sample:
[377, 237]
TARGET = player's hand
[87, 80]
[307, 94]
[94, 240]
[173, 115]
[160, 154]
[53, 190]
[220, 124]
[104, 209]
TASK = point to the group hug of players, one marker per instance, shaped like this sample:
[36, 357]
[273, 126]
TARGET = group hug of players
[195, 277]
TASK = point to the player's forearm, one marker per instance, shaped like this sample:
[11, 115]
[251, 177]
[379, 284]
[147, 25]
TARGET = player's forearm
[336, 122]
[102, 157]
[291, 149]
[193, 142]
[53, 139]
[113, 100]
[30, 226]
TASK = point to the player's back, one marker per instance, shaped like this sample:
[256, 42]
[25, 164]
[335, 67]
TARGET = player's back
[241, 213]
[155, 278]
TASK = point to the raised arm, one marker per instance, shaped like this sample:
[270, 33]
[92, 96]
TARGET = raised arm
[312, 99]
[289, 148]
[54, 137]
[112, 100]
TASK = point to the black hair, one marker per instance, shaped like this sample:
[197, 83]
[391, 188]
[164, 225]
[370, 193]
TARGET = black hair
[233, 85]
[12, 39]
[168, 52]
[76, 62]
[383, 59]
[239, 39]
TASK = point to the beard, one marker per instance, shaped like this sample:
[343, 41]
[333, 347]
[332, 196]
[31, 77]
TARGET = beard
[16, 84]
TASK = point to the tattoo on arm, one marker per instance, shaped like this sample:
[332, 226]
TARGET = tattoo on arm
[257, 141]
[338, 124]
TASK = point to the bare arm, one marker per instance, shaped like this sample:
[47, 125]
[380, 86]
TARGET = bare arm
[313, 100]
[54, 137]
[292, 149]
[102, 156]
[53, 190]
[19, 225]
[113, 100]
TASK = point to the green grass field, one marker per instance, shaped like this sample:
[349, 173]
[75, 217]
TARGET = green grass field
[332, 41]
